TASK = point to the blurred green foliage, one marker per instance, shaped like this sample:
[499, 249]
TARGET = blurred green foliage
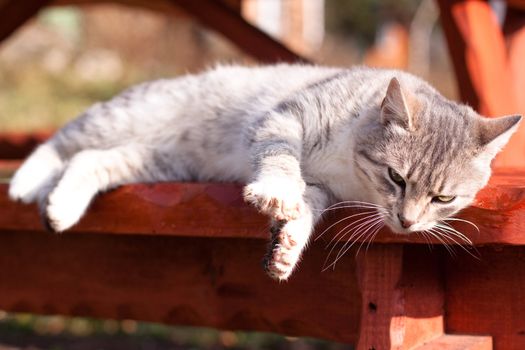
[57, 332]
[48, 100]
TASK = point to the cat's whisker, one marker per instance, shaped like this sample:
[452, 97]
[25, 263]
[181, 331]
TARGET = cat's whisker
[353, 223]
[437, 235]
[455, 232]
[356, 206]
[471, 246]
[465, 221]
[349, 229]
[354, 238]
[424, 235]
[341, 220]
[352, 204]
[382, 224]
[370, 237]
[363, 237]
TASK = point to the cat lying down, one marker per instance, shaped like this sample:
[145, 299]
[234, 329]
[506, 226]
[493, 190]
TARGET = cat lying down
[301, 137]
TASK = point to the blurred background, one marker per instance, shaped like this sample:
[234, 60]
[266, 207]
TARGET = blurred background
[67, 58]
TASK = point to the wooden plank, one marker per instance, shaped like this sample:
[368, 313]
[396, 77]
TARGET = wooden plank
[403, 300]
[189, 281]
[217, 210]
[14, 13]
[458, 342]
[19, 145]
[220, 16]
[486, 296]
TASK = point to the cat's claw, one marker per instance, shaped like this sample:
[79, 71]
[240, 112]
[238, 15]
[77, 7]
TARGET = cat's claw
[281, 201]
[284, 252]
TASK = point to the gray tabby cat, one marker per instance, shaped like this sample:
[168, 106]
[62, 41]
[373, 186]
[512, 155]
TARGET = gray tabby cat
[301, 138]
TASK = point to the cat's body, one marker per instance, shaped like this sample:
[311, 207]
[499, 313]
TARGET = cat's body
[301, 137]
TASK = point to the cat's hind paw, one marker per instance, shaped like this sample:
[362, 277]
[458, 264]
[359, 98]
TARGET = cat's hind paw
[64, 208]
[281, 200]
[21, 190]
[35, 174]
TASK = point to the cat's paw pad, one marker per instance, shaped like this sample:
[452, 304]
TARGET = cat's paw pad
[285, 249]
[282, 200]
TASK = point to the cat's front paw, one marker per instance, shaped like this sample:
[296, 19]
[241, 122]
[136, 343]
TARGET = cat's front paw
[286, 246]
[278, 198]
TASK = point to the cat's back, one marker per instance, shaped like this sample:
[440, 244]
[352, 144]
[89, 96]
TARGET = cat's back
[260, 88]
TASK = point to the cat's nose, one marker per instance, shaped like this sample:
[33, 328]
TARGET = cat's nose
[405, 223]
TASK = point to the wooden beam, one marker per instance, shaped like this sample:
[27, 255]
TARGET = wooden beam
[208, 282]
[250, 39]
[19, 145]
[458, 342]
[14, 13]
[170, 209]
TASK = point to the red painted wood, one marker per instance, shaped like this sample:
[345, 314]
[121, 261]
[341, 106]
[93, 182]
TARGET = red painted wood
[479, 55]
[458, 342]
[486, 296]
[15, 13]
[488, 80]
[223, 17]
[19, 145]
[210, 282]
[403, 300]
[170, 209]
[226, 21]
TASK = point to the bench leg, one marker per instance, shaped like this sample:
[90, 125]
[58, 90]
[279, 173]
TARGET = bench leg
[403, 301]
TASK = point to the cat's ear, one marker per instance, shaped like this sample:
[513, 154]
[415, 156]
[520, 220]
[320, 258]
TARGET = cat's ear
[398, 106]
[494, 133]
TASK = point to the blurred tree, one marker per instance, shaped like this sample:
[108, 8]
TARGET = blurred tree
[362, 18]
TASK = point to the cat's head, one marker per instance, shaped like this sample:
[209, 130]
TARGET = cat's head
[424, 158]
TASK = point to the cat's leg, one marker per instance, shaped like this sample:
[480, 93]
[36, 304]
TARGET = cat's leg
[289, 238]
[87, 173]
[38, 172]
[277, 185]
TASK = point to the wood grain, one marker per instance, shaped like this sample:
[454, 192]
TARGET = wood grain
[458, 342]
[217, 210]
[403, 300]
[214, 282]
[486, 296]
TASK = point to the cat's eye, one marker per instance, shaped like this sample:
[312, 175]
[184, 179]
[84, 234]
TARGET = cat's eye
[443, 199]
[394, 176]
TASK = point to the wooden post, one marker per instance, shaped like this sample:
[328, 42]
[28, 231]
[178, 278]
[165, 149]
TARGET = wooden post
[402, 299]
[481, 62]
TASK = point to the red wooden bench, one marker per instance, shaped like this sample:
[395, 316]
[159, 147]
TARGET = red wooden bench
[190, 253]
